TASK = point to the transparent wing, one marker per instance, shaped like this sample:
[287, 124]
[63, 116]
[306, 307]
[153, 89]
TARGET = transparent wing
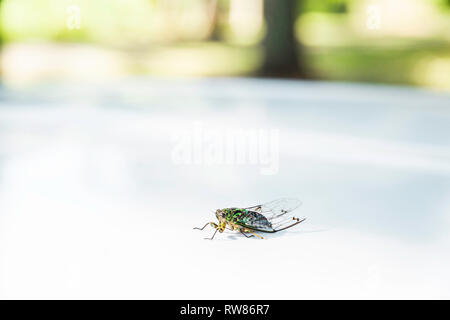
[279, 212]
[276, 208]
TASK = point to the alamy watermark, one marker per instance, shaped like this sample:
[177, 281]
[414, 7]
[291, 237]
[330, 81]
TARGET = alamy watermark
[373, 17]
[73, 19]
[200, 145]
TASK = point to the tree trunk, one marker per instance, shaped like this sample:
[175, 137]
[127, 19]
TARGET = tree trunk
[213, 8]
[280, 47]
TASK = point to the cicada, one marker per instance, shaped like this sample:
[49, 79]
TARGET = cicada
[269, 217]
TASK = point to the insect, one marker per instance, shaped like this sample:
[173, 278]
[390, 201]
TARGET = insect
[269, 217]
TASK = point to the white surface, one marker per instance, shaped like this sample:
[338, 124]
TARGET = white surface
[92, 205]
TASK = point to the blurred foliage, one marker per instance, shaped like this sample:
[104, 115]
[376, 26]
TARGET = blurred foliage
[224, 37]
[405, 65]
[445, 4]
[332, 6]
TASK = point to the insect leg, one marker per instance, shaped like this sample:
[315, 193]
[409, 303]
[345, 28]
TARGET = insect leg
[255, 234]
[291, 225]
[212, 235]
[211, 223]
[246, 235]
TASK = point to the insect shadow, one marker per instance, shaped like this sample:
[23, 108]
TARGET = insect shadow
[229, 235]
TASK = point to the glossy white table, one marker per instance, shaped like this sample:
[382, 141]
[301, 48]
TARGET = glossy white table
[95, 203]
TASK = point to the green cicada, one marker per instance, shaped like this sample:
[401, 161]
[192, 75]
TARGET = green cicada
[269, 217]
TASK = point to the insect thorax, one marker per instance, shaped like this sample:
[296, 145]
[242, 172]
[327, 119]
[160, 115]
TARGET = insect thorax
[234, 214]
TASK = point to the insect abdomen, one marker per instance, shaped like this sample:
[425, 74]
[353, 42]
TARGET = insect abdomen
[256, 221]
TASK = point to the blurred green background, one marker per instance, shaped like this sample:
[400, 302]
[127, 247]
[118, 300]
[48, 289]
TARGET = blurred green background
[403, 42]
